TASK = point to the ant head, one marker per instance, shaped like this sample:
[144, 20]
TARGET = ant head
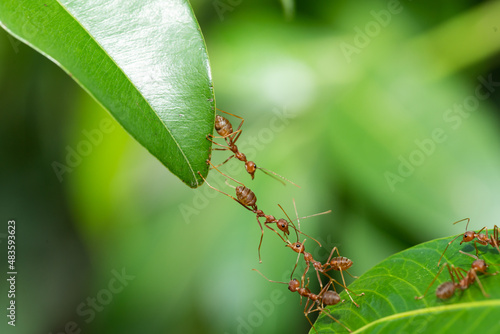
[331, 298]
[251, 168]
[297, 247]
[293, 285]
[283, 226]
[468, 236]
[480, 266]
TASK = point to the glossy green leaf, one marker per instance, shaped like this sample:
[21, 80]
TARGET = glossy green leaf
[144, 61]
[389, 304]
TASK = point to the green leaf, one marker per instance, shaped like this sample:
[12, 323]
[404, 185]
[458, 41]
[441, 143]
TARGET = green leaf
[389, 305]
[143, 61]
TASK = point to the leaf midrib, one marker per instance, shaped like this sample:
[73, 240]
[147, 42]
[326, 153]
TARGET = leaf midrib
[428, 310]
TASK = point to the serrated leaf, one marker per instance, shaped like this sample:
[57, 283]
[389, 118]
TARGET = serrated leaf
[389, 305]
[143, 61]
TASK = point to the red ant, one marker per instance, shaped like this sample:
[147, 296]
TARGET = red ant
[248, 200]
[464, 278]
[324, 297]
[483, 239]
[339, 263]
[225, 129]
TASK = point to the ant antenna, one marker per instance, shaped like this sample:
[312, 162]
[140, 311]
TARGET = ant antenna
[268, 278]
[298, 254]
[224, 174]
[296, 213]
[276, 176]
[290, 221]
[461, 220]
[460, 235]
[298, 230]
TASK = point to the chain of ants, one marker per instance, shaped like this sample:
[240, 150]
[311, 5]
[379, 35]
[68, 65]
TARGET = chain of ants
[461, 279]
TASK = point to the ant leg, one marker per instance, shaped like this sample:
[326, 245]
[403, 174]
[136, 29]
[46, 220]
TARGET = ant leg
[495, 240]
[435, 277]
[209, 136]
[347, 290]
[323, 310]
[239, 126]
[475, 246]
[229, 177]
[272, 229]
[480, 285]
[306, 314]
[461, 220]
[219, 149]
[298, 230]
[226, 136]
[491, 238]
[459, 273]
[296, 263]
[305, 272]
[208, 184]
[448, 245]
[331, 254]
[319, 280]
[261, 237]
[223, 162]
[351, 274]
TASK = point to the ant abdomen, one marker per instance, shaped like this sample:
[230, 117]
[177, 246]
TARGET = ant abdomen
[445, 290]
[246, 196]
[223, 126]
[340, 263]
[331, 298]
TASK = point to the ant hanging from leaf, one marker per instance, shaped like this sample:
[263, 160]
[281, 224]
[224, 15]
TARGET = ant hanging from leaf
[464, 278]
[468, 236]
[225, 130]
[324, 297]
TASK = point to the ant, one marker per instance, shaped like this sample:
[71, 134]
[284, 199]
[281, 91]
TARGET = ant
[483, 239]
[248, 200]
[339, 263]
[464, 278]
[225, 129]
[324, 297]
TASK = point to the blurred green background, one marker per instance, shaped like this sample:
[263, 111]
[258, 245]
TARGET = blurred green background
[387, 113]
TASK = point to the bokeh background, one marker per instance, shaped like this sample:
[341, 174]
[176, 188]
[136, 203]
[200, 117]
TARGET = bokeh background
[385, 112]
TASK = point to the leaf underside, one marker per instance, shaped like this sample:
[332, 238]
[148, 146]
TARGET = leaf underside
[389, 305]
[143, 61]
